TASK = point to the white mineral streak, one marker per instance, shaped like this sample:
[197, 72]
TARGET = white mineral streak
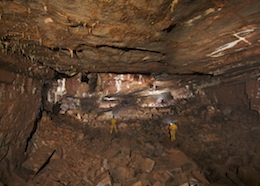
[118, 80]
[56, 93]
[219, 51]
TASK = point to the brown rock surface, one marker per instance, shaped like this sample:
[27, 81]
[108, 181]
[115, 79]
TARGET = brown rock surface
[148, 165]
[103, 180]
[146, 63]
[19, 106]
[209, 37]
[249, 176]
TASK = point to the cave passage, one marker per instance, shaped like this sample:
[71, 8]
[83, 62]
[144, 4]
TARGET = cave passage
[175, 82]
[68, 140]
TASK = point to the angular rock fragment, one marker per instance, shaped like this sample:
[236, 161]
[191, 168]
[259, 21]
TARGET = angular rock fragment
[233, 163]
[180, 178]
[159, 149]
[122, 126]
[103, 180]
[185, 184]
[139, 183]
[161, 177]
[148, 165]
[117, 184]
[126, 151]
[149, 146]
[199, 177]
[38, 159]
[121, 174]
[111, 153]
[249, 176]
[177, 170]
[146, 182]
[146, 179]
[256, 163]
[105, 165]
[186, 166]
[157, 183]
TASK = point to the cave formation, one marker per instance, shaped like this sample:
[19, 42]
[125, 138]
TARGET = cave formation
[67, 67]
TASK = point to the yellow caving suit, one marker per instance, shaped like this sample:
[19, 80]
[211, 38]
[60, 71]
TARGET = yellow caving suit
[173, 127]
[113, 126]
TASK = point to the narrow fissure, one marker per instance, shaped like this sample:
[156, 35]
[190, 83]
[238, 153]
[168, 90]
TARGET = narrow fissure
[39, 114]
[127, 49]
[169, 28]
[45, 163]
[35, 125]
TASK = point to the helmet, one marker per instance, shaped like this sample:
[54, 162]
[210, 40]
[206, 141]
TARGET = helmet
[113, 116]
[172, 121]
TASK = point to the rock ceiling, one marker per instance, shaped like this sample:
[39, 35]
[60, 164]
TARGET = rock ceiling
[134, 36]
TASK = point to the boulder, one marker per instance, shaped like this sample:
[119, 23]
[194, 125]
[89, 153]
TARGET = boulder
[36, 160]
[126, 151]
[186, 166]
[161, 177]
[111, 153]
[233, 163]
[103, 180]
[149, 146]
[139, 183]
[249, 176]
[148, 165]
[200, 177]
[117, 184]
[122, 126]
[157, 183]
[120, 174]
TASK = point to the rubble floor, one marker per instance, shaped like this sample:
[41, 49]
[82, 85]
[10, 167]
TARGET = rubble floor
[64, 151]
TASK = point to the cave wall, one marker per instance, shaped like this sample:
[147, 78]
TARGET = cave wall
[20, 100]
[243, 95]
[206, 120]
[219, 129]
[253, 93]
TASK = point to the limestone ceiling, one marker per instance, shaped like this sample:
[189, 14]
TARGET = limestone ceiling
[130, 36]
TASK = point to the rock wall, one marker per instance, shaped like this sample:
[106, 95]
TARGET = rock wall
[219, 128]
[100, 93]
[218, 124]
[20, 100]
[253, 93]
